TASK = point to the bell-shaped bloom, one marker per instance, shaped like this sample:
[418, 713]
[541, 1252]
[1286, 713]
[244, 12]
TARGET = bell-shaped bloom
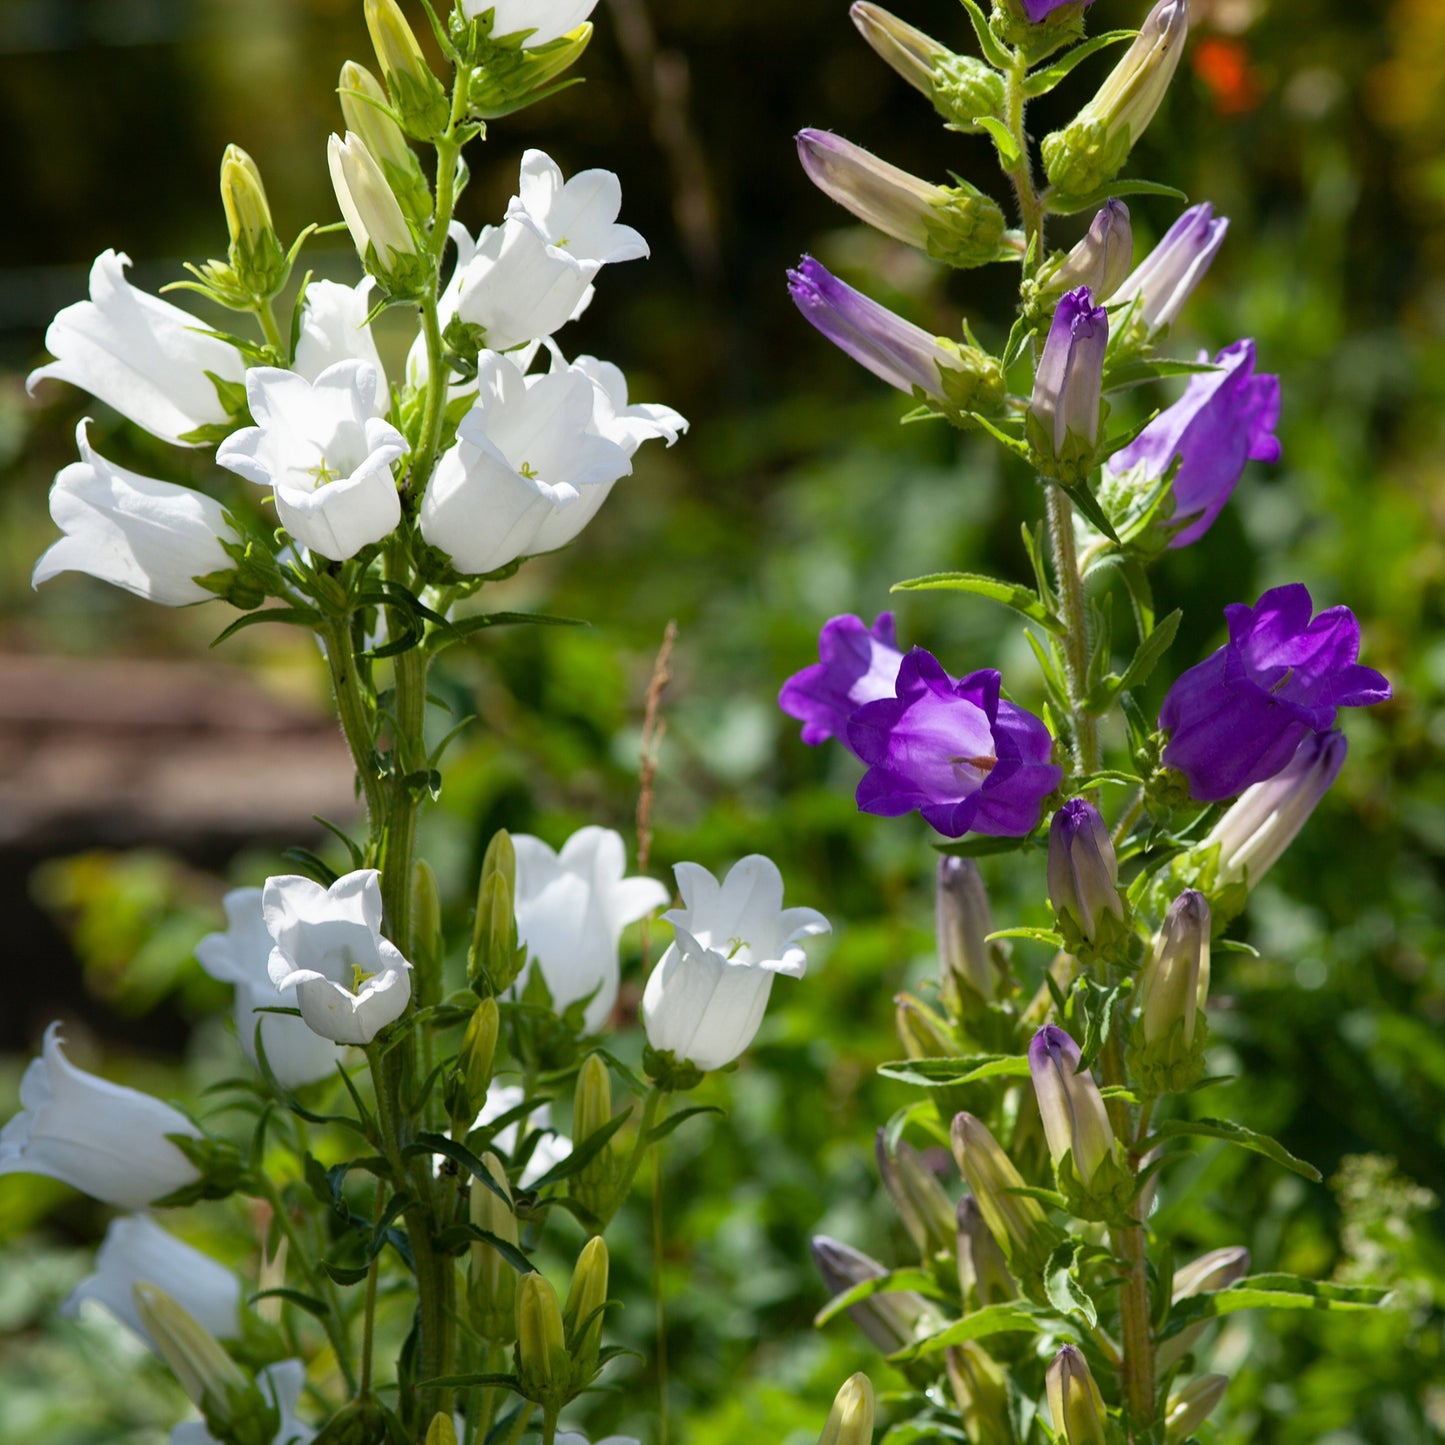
[538, 22]
[142, 356]
[705, 998]
[857, 664]
[136, 1250]
[104, 1139]
[1075, 1403]
[280, 1386]
[1165, 279]
[962, 923]
[1224, 419]
[350, 982]
[895, 350]
[1069, 383]
[333, 328]
[1238, 717]
[1256, 829]
[241, 956]
[954, 751]
[1174, 983]
[577, 216]
[1083, 871]
[891, 1319]
[629, 424]
[1070, 1104]
[1102, 259]
[571, 909]
[326, 454]
[148, 536]
[525, 453]
[550, 1148]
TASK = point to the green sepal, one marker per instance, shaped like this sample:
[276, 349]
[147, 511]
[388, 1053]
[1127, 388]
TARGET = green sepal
[223, 1171]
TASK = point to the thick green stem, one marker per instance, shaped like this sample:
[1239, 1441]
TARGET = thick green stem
[356, 722]
[1021, 174]
[1083, 724]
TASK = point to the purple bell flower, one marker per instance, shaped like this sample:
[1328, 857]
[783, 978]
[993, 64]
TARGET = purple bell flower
[954, 751]
[1224, 419]
[1238, 717]
[1039, 10]
[858, 664]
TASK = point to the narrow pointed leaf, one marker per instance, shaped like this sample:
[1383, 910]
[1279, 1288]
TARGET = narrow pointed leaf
[1011, 594]
[1232, 1133]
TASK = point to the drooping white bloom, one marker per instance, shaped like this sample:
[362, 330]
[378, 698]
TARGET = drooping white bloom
[550, 1149]
[524, 452]
[326, 454]
[350, 982]
[281, 1385]
[148, 536]
[705, 998]
[104, 1139]
[136, 1250]
[333, 328]
[529, 276]
[548, 20]
[241, 956]
[571, 909]
[139, 354]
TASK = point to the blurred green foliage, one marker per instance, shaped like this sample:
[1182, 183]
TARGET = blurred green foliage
[1316, 126]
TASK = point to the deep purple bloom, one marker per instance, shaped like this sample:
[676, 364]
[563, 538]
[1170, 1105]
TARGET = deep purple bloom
[955, 751]
[1238, 717]
[902, 354]
[1071, 372]
[1038, 10]
[1224, 419]
[1164, 280]
[858, 664]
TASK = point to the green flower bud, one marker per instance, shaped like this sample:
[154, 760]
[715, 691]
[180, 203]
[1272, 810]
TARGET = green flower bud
[543, 1367]
[594, 1186]
[475, 1058]
[850, 1421]
[441, 1431]
[368, 113]
[958, 225]
[923, 1033]
[418, 97]
[980, 1389]
[961, 88]
[495, 959]
[983, 1277]
[582, 1316]
[1218, 1269]
[1192, 1406]
[258, 259]
[1075, 1404]
[1089, 152]
[1016, 1221]
[511, 78]
[378, 228]
[1167, 1044]
[491, 1280]
[918, 1197]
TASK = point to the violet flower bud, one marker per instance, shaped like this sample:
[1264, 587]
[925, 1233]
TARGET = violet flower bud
[891, 1319]
[1075, 1404]
[1238, 717]
[957, 225]
[1256, 830]
[963, 922]
[1165, 279]
[1075, 1120]
[1088, 152]
[1084, 877]
[1063, 420]
[917, 1195]
[1224, 419]
[857, 664]
[962, 377]
[1101, 260]
[1190, 1407]
[961, 87]
[954, 751]
[983, 1277]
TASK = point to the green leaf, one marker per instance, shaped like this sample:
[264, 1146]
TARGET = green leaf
[1137, 373]
[465, 1382]
[1034, 546]
[1062, 205]
[918, 1281]
[1088, 504]
[983, 846]
[1019, 337]
[943, 1073]
[1016, 445]
[459, 631]
[1008, 151]
[1141, 595]
[994, 50]
[1012, 594]
[317, 867]
[1231, 1133]
[1272, 1292]
[458, 1154]
[307, 1302]
[1145, 660]
[1033, 935]
[977, 1325]
[1062, 1286]
[584, 1153]
[456, 1237]
[300, 616]
[662, 1130]
[1041, 82]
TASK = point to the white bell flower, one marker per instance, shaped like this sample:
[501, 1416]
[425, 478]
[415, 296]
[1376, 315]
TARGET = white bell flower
[104, 1139]
[326, 454]
[148, 536]
[350, 982]
[549, 1151]
[333, 328]
[282, 1385]
[705, 998]
[547, 20]
[136, 1250]
[141, 355]
[577, 216]
[525, 451]
[627, 425]
[571, 909]
[241, 956]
